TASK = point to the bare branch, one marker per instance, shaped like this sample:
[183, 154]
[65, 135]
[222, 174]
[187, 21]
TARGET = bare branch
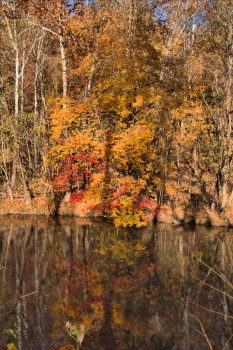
[203, 331]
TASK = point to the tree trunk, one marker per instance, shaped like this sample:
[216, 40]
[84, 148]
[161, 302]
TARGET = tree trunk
[227, 125]
[64, 66]
[16, 83]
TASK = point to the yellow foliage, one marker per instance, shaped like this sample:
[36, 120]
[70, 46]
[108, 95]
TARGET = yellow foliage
[139, 102]
[118, 314]
[125, 113]
[133, 147]
[94, 193]
[95, 283]
[67, 347]
[64, 114]
[170, 189]
[11, 346]
[123, 252]
[85, 65]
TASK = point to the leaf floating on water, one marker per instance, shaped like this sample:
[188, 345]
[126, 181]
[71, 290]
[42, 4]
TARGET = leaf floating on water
[76, 332]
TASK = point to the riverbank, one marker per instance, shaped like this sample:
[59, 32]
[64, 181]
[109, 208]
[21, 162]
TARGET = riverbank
[179, 215]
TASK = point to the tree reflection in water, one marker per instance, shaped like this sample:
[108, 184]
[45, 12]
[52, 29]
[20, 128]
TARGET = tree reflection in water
[153, 288]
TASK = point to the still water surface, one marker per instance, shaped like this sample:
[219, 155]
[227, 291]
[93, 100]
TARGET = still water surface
[131, 289]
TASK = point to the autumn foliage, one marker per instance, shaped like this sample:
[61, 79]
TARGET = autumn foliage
[124, 105]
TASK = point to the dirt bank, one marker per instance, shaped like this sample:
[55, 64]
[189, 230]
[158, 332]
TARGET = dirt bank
[177, 215]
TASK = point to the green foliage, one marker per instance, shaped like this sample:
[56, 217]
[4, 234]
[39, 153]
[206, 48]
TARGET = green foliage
[11, 332]
[74, 331]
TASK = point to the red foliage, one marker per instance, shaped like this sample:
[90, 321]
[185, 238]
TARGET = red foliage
[77, 197]
[121, 191]
[98, 212]
[147, 203]
[119, 280]
[114, 204]
[76, 171]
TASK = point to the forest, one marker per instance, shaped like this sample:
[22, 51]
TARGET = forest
[117, 108]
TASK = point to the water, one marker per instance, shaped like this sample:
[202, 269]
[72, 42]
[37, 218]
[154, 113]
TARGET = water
[131, 289]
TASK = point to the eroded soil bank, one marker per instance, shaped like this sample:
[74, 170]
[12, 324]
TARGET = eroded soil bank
[168, 213]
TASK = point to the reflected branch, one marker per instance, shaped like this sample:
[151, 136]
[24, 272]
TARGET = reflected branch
[210, 310]
[20, 298]
[203, 331]
[212, 287]
[228, 341]
[216, 271]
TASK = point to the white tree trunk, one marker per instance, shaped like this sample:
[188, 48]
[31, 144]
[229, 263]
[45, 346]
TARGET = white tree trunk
[64, 66]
